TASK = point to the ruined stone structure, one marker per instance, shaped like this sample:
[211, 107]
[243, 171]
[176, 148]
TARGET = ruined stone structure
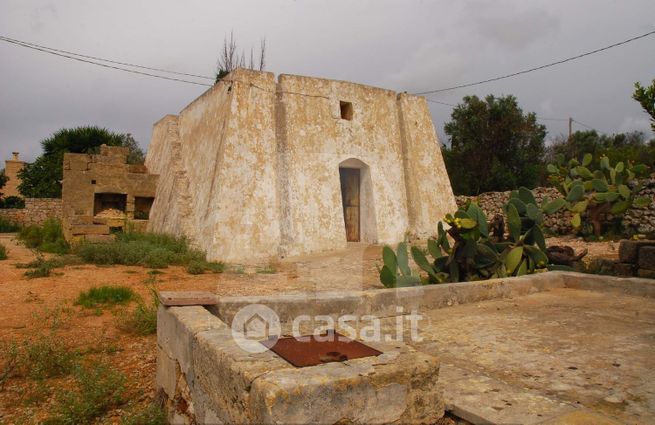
[103, 193]
[12, 168]
[258, 168]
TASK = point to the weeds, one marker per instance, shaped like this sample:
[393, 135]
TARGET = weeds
[3, 252]
[105, 295]
[153, 414]
[42, 267]
[43, 356]
[7, 226]
[47, 358]
[267, 269]
[10, 362]
[38, 268]
[146, 249]
[143, 319]
[48, 237]
[100, 388]
[199, 267]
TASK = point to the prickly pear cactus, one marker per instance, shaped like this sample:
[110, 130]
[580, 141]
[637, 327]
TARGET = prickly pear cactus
[592, 194]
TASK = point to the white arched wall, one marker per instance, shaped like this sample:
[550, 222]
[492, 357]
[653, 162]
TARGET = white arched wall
[367, 217]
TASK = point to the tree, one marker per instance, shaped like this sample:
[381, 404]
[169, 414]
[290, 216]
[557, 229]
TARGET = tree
[42, 178]
[230, 59]
[621, 147]
[646, 98]
[494, 146]
[3, 180]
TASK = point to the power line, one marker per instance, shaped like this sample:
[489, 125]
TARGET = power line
[525, 71]
[552, 119]
[4, 38]
[45, 50]
[441, 103]
[538, 118]
[586, 126]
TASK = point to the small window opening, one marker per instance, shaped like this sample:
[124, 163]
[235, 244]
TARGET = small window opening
[346, 110]
[93, 182]
[110, 204]
[142, 207]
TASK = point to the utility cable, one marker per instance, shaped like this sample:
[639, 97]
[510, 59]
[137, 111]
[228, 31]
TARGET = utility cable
[525, 71]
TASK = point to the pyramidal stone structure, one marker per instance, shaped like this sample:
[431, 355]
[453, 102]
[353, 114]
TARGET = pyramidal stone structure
[256, 168]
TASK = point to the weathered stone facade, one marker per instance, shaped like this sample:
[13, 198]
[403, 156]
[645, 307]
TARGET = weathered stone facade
[12, 168]
[36, 211]
[254, 168]
[101, 193]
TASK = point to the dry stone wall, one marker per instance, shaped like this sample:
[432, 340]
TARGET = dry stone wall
[36, 211]
[639, 220]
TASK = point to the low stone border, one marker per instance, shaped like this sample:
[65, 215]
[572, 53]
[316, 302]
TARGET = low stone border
[383, 302]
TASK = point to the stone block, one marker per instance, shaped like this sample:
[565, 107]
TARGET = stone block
[90, 229]
[391, 388]
[176, 328]
[645, 273]
[646, 257]
[98, 238]
[225, 373]
[167, 373]
[629, 250]
[624, 269]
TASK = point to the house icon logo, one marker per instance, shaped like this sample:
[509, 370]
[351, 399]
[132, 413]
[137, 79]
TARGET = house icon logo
[255, 323]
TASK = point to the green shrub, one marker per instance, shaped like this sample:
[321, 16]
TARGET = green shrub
[267, 269]
[48, 357]
[153, 414]
[12, 202]
[142, 320]
[195, 267]
[105, 295]
[146, 249]
[48, 237]
[3, 252]
[99, 388]
[42, 268]
[7, 226]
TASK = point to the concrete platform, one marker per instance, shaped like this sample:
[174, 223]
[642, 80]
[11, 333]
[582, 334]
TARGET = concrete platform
[535, 357]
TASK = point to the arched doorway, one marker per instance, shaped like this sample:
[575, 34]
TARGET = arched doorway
[357, 201]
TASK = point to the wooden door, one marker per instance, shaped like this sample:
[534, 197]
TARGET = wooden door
[350, 197]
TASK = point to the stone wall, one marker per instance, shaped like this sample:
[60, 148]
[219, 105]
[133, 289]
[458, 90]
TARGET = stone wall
[639, 220]
[36, 211]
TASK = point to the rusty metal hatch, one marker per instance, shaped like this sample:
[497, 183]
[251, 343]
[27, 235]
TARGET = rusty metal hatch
[330, 347]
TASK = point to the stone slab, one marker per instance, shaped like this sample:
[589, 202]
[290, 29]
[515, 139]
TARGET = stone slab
[186, 298]
[645, 273]
[90, 229]
[629, 250]
[581, 417]
[481, 399]
[619, 285]
[646, 257]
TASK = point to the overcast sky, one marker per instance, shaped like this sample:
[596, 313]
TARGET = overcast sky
[402, 45]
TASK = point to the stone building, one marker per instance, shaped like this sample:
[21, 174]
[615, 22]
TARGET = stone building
[12, 168]
[102, 194]
[256, 168]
